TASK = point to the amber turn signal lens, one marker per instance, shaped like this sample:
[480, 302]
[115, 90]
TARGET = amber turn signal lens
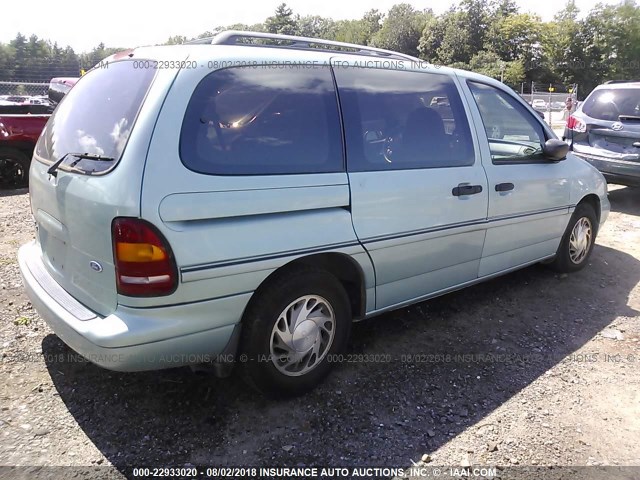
[139, 252]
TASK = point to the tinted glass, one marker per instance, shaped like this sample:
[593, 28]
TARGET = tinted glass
[611, 104]
[514, 133]
[402, 120]
[57, 91]
[249, 120]
[96, 116]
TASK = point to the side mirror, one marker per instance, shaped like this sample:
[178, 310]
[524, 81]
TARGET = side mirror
[555, 149]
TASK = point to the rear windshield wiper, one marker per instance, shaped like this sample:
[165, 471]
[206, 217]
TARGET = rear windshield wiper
[53, 169]
[634, 118]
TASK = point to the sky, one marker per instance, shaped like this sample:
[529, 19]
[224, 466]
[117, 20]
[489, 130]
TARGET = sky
[129, 23]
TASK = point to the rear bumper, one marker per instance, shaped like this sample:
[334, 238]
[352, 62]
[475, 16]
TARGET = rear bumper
[117, 342]
[615, 170]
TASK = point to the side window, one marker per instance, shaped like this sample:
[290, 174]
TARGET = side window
[402, 120]
[253, 120]
[514, 133]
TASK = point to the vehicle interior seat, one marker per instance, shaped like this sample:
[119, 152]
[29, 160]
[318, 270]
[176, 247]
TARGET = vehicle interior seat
[424, 140]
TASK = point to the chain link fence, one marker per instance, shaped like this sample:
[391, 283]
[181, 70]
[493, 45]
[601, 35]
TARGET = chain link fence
[552, 104]
[23, 89]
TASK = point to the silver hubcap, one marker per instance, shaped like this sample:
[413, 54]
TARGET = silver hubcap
[302, 335]
[580, 240]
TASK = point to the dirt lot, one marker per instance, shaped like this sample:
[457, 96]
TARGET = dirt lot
[560, 389]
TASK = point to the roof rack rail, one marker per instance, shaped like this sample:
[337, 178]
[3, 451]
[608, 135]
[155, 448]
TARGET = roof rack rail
[199, 41]
[231, 37]
[609, 82]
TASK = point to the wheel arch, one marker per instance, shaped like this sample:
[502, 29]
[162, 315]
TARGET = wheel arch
[593, 200]
[342, 266]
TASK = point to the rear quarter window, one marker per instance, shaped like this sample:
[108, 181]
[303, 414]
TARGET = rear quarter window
[261, 121]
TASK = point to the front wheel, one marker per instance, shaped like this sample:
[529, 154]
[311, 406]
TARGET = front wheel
[292, 331]
[578, 240]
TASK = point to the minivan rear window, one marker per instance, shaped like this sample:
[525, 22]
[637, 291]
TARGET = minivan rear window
[96, 116]
[613, 103]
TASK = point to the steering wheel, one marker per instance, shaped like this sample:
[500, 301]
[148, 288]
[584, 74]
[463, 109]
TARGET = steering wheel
[377, 138]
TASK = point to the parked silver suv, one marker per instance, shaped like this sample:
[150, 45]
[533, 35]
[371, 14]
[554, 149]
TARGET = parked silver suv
[257, 193]
[605, 131]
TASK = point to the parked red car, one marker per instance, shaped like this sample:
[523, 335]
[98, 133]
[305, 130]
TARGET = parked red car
[20, 128]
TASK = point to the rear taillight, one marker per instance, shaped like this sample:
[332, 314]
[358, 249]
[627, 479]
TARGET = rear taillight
[576, 124]
[143, 259]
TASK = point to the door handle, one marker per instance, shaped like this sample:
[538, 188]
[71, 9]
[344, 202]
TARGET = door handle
[466, 189]
[504, 187]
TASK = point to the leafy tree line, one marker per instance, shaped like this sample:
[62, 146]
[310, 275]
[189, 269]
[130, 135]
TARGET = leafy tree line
[36, 60]
[492, 37]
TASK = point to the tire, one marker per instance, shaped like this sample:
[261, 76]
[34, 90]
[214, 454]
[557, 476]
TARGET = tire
[14, 168]
[573, 254]
[271, 358]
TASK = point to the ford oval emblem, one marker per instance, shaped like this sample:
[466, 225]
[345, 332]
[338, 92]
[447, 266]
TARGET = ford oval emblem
[617, 126]
[95, 266]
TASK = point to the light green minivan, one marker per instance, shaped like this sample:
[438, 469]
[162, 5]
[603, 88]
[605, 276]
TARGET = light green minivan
[241, 201]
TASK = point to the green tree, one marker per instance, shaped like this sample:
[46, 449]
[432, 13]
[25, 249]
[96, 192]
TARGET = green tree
[619, 39]
[516, 37]
[89, 60]
[19, 47]
[401, 29]
[504, 8]
[458, 34]
[491, 65]
[358, 31]
[176, 40]
[70, 62]
[283, 22]
[315, 26]
[445, 39]
[557, 39]
[476, 14]
[6, 63]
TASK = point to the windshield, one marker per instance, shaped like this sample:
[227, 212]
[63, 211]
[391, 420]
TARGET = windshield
[610, 104]
[96, 116]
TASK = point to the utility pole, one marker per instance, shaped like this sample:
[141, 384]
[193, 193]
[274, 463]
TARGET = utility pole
[532, 90]
[551, 90]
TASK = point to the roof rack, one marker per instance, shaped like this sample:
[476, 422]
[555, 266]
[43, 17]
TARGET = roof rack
[231, 37]
[621, 81]
[199, 41]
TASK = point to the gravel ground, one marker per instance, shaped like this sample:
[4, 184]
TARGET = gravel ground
[561, 386]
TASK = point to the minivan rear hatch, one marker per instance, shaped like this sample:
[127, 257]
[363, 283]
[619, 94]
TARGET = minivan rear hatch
[77, 185]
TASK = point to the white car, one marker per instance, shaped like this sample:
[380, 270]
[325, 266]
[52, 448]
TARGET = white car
[539, 104]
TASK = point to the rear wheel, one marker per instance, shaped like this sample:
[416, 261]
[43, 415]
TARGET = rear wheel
[14, 168]
[292, 329]
[578, 240]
